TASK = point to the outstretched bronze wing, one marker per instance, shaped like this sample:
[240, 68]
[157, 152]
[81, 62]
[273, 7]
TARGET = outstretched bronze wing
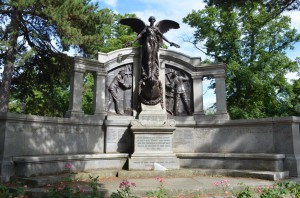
[136, 24]
[166, 25]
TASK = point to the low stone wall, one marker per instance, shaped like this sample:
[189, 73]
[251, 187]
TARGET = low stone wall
[232, 136]
[269, 135]
[26, 136]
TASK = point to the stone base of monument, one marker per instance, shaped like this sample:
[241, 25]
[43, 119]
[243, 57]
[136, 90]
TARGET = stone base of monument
[152, 115]
[147, 163]
[153, 140]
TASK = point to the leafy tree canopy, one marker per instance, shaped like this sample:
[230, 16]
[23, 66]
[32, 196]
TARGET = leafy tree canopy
[280, 5]
[34, 34]
[37, 28]
[254, 50]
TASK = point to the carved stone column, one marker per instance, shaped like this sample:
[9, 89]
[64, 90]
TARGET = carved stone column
[76, 88]
[198, 97]
[221, 96]
[99, 94]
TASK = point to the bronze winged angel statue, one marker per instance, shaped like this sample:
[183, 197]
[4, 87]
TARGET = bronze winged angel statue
[150, 37]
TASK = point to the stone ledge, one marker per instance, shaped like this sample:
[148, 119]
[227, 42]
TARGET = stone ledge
[249, 122]
[268, 175]
[182, 121]
[28, 166]
[233, 155]
[49, 158]
[237, 161]
[153, 155]
[84, 119]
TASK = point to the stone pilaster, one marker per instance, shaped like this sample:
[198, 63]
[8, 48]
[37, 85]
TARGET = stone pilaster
[198, 95]
[76, 88]
[221, 96]
[99, 94]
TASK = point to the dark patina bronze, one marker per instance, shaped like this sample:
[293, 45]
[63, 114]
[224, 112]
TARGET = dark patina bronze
[150, 37]
[113, 89]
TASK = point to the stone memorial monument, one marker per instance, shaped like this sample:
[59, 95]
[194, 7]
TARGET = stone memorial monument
[147, 110]
[152, 130]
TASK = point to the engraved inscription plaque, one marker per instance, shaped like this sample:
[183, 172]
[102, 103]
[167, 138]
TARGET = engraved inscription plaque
[153, 143]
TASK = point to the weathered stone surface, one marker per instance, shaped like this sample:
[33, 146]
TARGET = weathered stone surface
[183, 140]
[238, 161]
[147, 162]
[118, 138]
[27, 166]
[152, 113]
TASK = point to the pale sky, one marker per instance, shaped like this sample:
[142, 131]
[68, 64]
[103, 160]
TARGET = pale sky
[176, 11]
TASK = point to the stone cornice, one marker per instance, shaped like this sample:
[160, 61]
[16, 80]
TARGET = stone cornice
[84, 120]
[119, 57]
[249, 122]
[83, 64]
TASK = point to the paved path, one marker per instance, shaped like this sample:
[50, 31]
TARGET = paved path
[187, 186]
[177, 186]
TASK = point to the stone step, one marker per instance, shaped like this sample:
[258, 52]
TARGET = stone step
[178, 182]
[40, 181]
[267, 175]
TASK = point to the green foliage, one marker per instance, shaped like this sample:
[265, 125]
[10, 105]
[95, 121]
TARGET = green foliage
[66, 189]
[36, 73]
[161, 191]
[95, 186]
[88, 94]
[125, 190]
[245, 193]
[279, 190]
[252, 43]
[15, 191]
[116, 35]
[33, 32]
[295, 101]
[279, 5]
[42, 85]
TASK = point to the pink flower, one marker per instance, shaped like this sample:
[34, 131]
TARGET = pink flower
[258, 189]
[133, 184]
[82, 190]
[161, 180]
[225, 181]
[124, 184]
[216, 183]
[68, 166]
[270, 186]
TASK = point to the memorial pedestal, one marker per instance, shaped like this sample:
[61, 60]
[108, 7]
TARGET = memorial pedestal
[153, 141]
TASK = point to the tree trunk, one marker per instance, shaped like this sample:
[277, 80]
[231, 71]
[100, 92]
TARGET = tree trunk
[9, 62]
